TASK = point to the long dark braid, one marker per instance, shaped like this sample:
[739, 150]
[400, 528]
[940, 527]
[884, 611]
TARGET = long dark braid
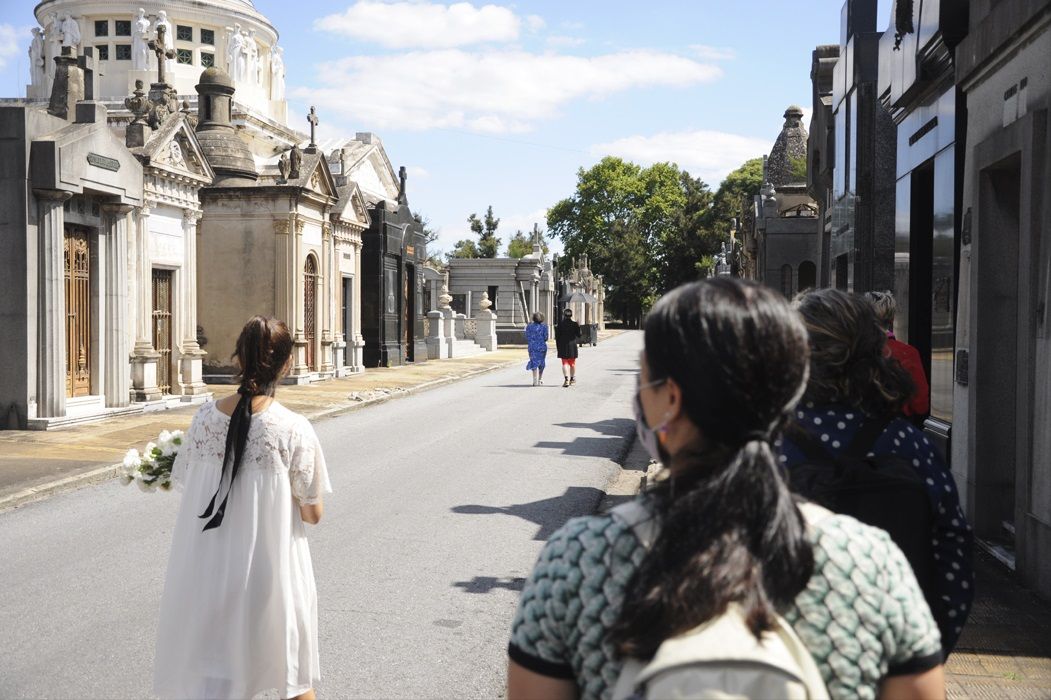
[262, 353]
[729, 529]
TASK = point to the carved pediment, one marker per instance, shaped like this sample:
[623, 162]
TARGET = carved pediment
[177, 149]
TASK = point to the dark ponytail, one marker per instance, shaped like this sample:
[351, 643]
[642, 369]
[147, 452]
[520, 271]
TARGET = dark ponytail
[729, 529]
[262, 353]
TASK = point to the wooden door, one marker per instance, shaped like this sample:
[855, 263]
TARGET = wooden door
[77, 257]
[162, 327]
[310, 280]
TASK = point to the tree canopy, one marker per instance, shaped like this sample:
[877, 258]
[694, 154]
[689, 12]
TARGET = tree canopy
[647, 229]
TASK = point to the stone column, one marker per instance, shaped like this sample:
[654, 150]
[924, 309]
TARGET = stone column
[436, 347]
[117, 373]
[327, 282]
[359, 341]
[51, 304]
[191, 360]
[143, 357]
[299, 340]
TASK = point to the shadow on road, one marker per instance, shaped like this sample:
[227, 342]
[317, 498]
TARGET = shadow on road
[549, 513]
[485, 584]
[618, 429]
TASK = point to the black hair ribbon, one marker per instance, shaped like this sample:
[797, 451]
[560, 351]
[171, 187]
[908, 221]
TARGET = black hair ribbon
[236, 439]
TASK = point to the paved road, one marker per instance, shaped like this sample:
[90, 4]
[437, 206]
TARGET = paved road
[442, 503]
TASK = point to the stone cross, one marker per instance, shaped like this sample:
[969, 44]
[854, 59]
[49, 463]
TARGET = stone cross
[312, 118]
[159, 46]
[403, 175]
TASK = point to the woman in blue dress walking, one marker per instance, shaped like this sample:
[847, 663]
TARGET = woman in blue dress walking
[536, 339]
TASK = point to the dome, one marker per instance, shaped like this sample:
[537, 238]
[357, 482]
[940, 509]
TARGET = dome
[215, 76]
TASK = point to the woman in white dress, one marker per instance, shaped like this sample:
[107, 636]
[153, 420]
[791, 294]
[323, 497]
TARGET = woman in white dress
[239, 610]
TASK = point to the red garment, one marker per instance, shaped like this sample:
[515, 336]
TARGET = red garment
[909, 358]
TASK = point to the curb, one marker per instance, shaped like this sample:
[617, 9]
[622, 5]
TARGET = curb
[105, 473]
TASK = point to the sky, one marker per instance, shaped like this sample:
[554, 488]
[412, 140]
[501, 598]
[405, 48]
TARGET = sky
[494, 103]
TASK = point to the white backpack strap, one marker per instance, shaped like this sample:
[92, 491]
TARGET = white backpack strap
[640, 519]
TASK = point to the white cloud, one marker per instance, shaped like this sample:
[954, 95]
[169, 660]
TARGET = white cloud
[710, 155]
[10, 39]
[488, 91]
[564, 41]
[535, 23]
[713, 53]
[414, 24]
[521, 222]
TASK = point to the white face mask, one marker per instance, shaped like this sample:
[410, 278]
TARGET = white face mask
[648, 436]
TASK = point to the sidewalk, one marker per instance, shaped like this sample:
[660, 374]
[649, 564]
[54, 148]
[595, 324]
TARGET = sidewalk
[1005, 649]
[35, 464]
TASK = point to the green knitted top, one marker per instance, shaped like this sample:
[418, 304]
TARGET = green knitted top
[862, 615]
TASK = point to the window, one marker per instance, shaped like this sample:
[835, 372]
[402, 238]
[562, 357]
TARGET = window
[184, 56]
[208, 37]
[183, 33]
[807, 275]
[207, 60]
[103, 51]
[102, 27]
[123, 28]
[123, 52]
[786, 280]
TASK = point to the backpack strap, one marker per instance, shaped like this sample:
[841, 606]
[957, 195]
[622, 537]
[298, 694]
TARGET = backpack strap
[639, 518]
[870, 431]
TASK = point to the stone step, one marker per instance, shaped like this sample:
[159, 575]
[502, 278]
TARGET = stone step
[466, 348]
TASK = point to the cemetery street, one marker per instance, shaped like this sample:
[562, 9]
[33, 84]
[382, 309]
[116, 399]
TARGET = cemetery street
[442, 502]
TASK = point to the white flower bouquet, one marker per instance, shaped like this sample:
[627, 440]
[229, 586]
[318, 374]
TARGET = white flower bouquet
[152, 469]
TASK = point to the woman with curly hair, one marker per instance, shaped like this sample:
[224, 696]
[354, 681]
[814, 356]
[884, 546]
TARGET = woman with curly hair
[725, 362]
[855, 388]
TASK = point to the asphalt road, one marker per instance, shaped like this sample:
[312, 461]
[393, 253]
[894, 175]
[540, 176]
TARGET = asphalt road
[442, 502]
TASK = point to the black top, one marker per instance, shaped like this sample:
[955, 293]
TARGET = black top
[566, 334]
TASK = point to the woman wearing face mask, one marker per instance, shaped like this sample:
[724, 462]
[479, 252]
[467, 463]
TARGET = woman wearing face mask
[724, 364]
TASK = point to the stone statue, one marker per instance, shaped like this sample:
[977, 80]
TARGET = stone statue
[175, 154]
[252, 61]
[140, 42]
[277, 74]
[295, 162]
[70, 30]
[283, 167]
[234, 45]
[169, 41]
[37, 69]
[52, 45]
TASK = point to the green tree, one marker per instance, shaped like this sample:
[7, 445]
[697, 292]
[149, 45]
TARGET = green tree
[485, 229]
[618, 216]
[520, 245]
[692, 236]
[743, 182]
[465, 248]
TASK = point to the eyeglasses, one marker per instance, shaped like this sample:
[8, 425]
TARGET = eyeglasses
[639, 386]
